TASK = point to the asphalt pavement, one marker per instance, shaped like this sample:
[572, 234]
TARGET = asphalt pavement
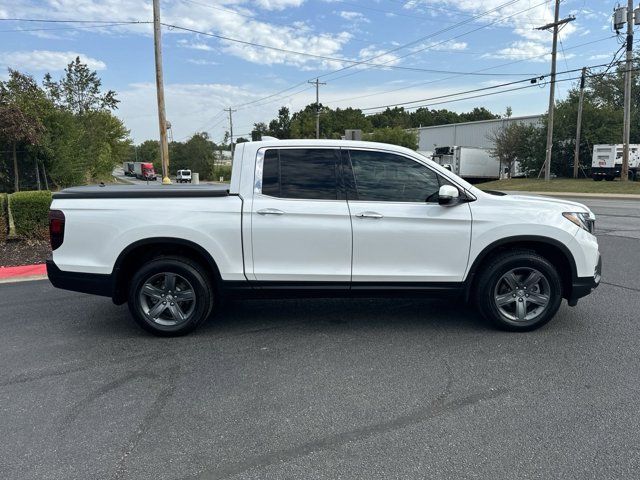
[325, 389]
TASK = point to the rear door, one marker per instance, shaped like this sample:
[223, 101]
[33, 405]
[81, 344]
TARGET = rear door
[400, 232]
[300, 223]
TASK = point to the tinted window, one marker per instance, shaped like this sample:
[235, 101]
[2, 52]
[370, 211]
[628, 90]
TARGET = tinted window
[300, 173]
[386, 177]
[271, 174]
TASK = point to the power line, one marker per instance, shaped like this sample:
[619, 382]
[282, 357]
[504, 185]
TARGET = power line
[390, 51]
[325, 57]
[101, 25]
[277, 94]
[488, 94]
[432, 46]
[492, 87]
[49, 20]
[456, 76]
[422, 39]
[256, 19]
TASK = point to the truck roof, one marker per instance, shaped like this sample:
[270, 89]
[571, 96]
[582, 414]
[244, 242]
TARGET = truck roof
[326, 143]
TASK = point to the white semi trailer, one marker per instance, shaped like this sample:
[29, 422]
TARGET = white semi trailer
[472, 163]
[606, 162]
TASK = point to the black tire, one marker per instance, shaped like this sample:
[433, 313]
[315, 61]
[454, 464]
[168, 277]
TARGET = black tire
[610, 179]
[597, 179]
[187, 275]
[491, 287]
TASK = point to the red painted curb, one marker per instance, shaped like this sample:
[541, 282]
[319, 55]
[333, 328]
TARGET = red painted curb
[23, 271]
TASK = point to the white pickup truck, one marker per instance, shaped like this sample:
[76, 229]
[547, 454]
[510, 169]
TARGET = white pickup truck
[322, 218]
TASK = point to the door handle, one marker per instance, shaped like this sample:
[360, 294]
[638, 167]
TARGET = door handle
[369, 215]
[270, 211]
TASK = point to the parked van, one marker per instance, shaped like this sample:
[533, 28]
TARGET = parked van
[183, 176]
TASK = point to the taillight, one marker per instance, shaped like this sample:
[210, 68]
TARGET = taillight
[56, 228]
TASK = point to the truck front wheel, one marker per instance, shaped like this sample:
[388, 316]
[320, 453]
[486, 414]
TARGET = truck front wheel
[519, 291]
[170, 296]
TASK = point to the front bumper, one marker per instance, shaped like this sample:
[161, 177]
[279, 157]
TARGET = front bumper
[93, 283]
[583, 286]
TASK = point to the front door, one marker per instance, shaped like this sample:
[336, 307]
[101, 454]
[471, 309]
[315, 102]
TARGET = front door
[300, 225]
[400, 232]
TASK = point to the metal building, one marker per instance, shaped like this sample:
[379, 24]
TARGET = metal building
[468, 134]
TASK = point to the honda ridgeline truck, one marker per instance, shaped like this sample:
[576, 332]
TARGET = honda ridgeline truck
[322, 218]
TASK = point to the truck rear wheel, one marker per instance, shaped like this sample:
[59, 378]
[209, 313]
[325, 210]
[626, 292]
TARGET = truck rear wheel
[170, 296]
[519, 291]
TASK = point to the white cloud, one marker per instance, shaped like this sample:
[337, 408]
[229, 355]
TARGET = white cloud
[210, 16]
[200, 61]
[440, 46]
[195, 45]
[278, 4]
[353, 16]
[523, 17]
[531, 51]
[601, 56]
[46, 60]
[378, 56]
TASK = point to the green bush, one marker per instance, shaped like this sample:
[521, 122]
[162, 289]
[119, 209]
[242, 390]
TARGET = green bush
[30, 212]
[4, 218]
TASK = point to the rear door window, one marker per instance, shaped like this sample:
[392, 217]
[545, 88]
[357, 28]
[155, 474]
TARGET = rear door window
[304, 173]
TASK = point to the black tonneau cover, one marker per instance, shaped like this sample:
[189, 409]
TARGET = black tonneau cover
[143, 191]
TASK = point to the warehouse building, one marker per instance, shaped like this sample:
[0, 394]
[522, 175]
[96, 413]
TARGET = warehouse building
[468, 134]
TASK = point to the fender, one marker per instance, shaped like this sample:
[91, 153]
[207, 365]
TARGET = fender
[519, 239]
[119, 267]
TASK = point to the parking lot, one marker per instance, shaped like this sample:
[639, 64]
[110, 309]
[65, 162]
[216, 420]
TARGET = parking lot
[402, 388]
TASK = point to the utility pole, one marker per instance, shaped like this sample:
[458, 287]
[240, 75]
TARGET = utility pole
[317, 83]
[576, 159]
[552, 90]
[231, 129]
[626, 135]
[162, 115]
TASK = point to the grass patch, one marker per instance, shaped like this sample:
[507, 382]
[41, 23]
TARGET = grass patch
[570, 185]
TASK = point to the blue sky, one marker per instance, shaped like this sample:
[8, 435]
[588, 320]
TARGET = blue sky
[204, 74]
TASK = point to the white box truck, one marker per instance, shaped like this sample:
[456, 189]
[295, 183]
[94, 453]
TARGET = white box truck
[606, 162]
[472, 163]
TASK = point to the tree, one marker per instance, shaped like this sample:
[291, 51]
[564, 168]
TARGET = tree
[242, 140]
[281, 126]
[518, 143]
[16, 127]
[478, 114]
[259, 129]
[395, 136]
[80, 90]
[22, 106]
[196, 154]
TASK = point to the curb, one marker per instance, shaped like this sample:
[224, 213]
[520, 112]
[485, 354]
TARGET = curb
[603, 196]
[23, 273]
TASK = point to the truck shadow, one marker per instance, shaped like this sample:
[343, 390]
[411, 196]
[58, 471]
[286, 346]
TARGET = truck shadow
[252, 316]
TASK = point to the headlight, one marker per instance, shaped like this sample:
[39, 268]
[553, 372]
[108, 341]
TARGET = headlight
[581, 219]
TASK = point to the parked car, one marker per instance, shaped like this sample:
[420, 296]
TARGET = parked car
[183, 176]
[328, 218]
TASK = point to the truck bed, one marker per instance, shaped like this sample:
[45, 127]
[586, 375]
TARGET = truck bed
[143, 191]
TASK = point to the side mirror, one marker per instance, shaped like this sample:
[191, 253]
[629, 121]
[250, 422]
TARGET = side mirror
[447, 194]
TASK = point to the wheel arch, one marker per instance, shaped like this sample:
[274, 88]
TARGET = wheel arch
[137, 253]
[551, 249]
